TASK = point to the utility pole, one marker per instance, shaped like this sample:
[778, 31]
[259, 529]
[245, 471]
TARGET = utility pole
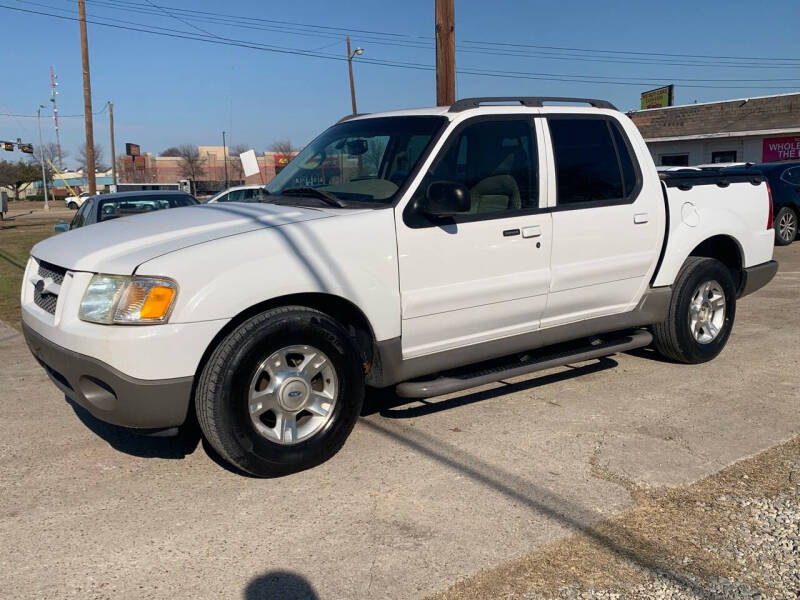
[358, 51]
[41, 156]
[225, 158]
[53, 94]
[445, 53]
[113, 151]
[87, 99]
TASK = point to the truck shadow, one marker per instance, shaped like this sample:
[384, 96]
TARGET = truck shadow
[391, 406]
[136, 444]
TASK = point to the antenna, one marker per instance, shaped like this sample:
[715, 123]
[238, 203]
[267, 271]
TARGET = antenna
[53, 94]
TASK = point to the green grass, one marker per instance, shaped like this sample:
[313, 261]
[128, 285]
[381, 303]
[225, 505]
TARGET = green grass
[17, 237]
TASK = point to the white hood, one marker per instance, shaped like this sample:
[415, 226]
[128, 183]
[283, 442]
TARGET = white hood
[119, 246]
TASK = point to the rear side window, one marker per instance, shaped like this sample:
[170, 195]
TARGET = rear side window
[592, 160]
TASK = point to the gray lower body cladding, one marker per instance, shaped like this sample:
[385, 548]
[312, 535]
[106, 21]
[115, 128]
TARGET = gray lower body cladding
[754, 278]
[390, 367]
[109, 395]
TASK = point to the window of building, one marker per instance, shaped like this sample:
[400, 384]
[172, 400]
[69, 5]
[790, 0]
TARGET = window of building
[674, 160]
[723, 156]
[592, 160]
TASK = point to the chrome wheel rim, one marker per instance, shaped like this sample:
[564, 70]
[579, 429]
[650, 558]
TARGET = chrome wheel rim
[292, 394]
[707, 312]
[787, 226]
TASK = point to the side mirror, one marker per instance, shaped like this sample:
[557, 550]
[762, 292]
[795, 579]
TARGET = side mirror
[61, 227]
[445, 199]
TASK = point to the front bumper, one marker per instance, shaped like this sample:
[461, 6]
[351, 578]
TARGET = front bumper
[754, 278]
[107, 393]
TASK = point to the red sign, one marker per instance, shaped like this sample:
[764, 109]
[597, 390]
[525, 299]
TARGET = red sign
[783, 148]
[281, 160]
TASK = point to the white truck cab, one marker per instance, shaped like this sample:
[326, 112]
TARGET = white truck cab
[427, 249]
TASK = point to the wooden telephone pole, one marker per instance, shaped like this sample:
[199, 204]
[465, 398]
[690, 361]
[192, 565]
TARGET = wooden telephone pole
[113, 151]
[445, 53]
[87, 100]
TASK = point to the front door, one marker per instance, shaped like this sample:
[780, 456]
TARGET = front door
[485, 274]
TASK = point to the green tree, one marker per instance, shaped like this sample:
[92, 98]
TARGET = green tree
[18, 175]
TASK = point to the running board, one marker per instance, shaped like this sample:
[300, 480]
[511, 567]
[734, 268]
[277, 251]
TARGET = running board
[597, 348]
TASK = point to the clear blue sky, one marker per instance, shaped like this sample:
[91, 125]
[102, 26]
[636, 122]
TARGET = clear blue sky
[169, 91]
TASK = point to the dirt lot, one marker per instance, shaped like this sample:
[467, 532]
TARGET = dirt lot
[596, 478]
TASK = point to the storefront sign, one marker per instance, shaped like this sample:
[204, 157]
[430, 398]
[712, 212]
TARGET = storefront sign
[659, 98]
[782, 148]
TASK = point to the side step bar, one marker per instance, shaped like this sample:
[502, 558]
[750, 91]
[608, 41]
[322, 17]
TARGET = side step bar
[463, 381]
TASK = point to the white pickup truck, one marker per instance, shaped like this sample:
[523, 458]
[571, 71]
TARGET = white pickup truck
[433, 250]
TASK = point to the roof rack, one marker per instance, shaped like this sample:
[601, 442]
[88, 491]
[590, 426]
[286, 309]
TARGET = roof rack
[535, 101]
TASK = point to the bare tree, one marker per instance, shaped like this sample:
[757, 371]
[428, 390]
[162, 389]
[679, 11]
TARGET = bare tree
[50, 153]
[282, 146]
[171, 151]
[191, 163]
[237, 172]
[99, 158]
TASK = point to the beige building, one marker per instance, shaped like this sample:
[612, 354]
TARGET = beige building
[763, 129]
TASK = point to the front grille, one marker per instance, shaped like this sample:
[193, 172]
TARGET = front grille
[53, 272]
[45, 301]
[48, 300]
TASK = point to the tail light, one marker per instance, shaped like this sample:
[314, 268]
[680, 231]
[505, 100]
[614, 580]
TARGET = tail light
[770, 222]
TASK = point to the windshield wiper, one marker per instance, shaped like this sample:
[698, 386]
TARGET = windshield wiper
[314, 193]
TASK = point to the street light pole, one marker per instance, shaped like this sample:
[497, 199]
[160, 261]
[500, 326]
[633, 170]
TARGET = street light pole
[359, 51]
[41, 155]
[225, 158]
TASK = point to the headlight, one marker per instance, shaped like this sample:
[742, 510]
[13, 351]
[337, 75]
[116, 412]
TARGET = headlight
[128, 300]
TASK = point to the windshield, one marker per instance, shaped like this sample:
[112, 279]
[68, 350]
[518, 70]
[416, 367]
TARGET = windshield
[366, 160]
[114, 208]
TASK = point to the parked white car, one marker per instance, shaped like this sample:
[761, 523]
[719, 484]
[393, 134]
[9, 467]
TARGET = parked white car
[394, 249]
[75, 202]
[238, 193]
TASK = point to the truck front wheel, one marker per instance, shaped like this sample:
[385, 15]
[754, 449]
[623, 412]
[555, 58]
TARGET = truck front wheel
[281, 392]
[701, 312]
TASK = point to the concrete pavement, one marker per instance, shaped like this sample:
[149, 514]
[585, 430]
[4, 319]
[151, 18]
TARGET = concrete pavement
[421, 494]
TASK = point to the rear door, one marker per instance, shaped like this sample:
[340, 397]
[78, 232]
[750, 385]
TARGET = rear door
[607, 226]
[483, 275]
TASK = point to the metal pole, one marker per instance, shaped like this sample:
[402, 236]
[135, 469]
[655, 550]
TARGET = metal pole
[113, 152]
[41, 156]
[445, 53]
[350, 69]
[225, 158]
[87, 99]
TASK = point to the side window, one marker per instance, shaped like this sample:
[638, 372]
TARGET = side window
[79, 220]
[496, 161]
[592, 160]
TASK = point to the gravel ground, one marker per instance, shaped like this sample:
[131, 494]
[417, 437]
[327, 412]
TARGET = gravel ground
[734, 535]
[764, 540]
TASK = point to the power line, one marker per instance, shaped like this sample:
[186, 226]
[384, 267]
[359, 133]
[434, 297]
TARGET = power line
[610, 80]
[60, 116]
[475, 47]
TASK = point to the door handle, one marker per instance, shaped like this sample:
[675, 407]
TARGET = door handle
[532, 231]
[640, 218]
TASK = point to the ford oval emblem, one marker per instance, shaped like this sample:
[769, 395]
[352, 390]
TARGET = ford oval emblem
[39, 286]
[294, 394]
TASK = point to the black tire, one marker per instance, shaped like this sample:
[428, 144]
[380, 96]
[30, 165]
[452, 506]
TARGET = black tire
[221, 399]
[72, 206]
[785, 235]
[673, 337]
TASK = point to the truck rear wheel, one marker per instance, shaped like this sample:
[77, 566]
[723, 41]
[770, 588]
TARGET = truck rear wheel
[701, 312]
[281, 392]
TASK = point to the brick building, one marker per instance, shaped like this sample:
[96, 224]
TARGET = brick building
[211, 176]
[764, 129]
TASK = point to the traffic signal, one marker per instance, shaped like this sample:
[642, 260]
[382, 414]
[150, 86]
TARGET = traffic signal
[26, 148]
[8, 146]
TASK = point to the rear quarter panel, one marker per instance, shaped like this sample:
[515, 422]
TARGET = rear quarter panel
[739, 211]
